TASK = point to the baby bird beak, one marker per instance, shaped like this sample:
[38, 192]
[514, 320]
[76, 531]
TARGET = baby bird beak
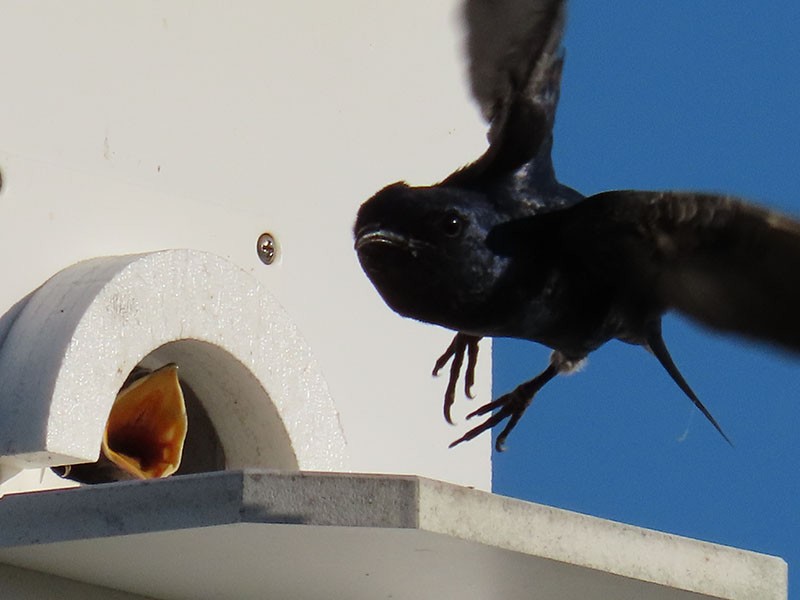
[144, 435]
[146, 429]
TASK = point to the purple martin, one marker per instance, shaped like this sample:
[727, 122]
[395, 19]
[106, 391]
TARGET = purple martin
[500, 248]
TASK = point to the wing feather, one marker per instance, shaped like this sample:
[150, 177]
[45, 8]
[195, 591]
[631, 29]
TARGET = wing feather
[515, 61]
[728, 264]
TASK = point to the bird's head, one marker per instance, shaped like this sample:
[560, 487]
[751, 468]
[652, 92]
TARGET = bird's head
[424, 249]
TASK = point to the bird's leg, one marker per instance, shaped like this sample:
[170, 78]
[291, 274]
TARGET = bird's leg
[656, 345]
[462, 343]
[513, 404]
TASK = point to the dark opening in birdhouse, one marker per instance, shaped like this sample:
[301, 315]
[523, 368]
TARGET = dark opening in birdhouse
[229, 418]
[157, 427]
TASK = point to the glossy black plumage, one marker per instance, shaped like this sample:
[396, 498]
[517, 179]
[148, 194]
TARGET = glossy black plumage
[501, 248]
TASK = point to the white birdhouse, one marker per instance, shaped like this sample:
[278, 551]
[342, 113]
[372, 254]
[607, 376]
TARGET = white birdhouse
[145, 151]
[179, 184]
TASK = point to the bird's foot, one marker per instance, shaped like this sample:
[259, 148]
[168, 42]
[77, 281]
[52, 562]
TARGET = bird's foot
[462, 344]
[511, 405]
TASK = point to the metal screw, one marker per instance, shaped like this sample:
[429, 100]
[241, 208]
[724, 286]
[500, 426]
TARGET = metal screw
[267, 248]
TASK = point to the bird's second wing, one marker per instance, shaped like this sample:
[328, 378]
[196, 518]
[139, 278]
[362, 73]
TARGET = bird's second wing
[510, 45]
[729, 264]
[515, 61]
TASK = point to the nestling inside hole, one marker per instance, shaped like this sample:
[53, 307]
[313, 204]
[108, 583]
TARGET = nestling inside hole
[157, 427]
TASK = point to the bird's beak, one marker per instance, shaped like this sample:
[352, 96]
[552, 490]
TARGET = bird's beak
[146, 429]
[367, 236]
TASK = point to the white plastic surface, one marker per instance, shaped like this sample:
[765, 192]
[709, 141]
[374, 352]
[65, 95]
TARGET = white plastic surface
[132, 127]
[78, 337]
[255, 535]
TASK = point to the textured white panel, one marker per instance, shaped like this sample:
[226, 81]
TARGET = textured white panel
[78, 337]
[132, 127]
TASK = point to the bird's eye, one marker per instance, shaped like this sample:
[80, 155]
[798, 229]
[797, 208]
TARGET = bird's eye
[452, 225]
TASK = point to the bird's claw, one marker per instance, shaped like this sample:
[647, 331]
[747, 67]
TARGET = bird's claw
[462, 344]
[511, 405]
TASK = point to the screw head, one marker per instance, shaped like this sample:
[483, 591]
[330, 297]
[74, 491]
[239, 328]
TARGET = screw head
[267, 248]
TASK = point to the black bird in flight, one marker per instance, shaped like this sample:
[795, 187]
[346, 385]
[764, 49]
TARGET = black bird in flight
[500, 248]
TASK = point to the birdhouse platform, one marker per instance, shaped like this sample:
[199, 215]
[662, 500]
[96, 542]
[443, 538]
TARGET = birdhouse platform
[264, 534]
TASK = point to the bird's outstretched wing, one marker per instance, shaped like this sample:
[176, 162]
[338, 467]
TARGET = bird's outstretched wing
[511, 45]
[515, 59]
[728, 264]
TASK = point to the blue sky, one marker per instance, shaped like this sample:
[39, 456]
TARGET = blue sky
[673, 95]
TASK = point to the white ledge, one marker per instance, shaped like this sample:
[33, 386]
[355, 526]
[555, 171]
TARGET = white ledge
[257, 534]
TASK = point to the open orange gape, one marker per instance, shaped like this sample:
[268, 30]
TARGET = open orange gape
[144, 435]
[146, 429]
